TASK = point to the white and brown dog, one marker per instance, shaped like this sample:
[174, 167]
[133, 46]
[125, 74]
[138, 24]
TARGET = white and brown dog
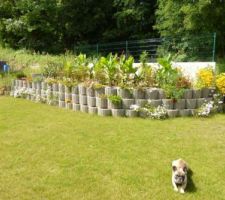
[179, 175]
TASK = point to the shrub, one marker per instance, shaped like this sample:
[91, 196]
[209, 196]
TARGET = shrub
[205, 78]
[116, 100]
[220, 83]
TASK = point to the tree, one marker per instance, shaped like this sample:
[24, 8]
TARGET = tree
[132, 19]
[182, 18]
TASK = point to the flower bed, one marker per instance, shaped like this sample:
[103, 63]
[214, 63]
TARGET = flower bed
[106, 105]
[112, 85]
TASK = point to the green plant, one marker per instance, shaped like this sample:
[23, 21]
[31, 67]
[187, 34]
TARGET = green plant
[52, 69]
[20, 75]
[114, 99]
[98, 86]
[68, 82]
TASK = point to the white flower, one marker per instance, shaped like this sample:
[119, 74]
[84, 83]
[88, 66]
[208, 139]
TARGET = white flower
[134, 107]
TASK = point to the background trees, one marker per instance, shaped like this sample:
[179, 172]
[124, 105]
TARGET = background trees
[56, 25]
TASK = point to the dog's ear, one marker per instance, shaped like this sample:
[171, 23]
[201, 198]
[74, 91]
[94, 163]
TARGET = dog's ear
[174, 168]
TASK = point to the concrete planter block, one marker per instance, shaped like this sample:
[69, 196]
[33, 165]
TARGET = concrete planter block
[29, 84]
[139, 93]
[84, 108]
[43, 85]
[173, 113]
[75, 98]
[17, 83]
[124, 93]
[62, 104]
[82, 89]
[92, 110]
[68, 97]
[34, 87]
[114, 106]
[62, 96]
[110, 91]
[83, 100]
[61, 88]
[131, 113]
[38, 85]
[101, 102]
[99, 92]
[118, 112]
[24, 84]
[104, 112]
[69, 106]
[49, 87]
[152, 93]
[56, 94]
[38, 92]
[168, 103]
[76, 107]
[141, 102]
[90, 92]
[184, 112]
[43, 92]
[55, 87]
[75, 90]
[200, 102]
[162, 94]
[20, 83]
[180, 104]
[126, 103]
[205, 92]
[193, 112]
[68, 89]
[91, 101]
[197, 94]
[191, 103]
[188, 94]
[155, 103]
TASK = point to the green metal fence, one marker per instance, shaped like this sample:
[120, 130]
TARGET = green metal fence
[188, 48]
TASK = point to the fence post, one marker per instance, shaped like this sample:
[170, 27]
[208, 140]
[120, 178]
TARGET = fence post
[126, 48]
[214, 46]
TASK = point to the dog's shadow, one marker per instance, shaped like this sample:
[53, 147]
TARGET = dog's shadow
[190, 185]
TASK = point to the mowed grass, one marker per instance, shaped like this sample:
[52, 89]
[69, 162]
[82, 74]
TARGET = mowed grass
[50, 153]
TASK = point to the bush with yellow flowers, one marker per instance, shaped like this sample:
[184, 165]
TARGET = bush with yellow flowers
[220, 83]
[205, 78]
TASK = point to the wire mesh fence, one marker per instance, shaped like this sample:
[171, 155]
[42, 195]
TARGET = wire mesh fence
[183, 48]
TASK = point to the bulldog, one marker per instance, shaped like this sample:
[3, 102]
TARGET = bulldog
[179, 175]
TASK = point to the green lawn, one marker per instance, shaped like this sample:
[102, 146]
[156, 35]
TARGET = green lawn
[50, 153]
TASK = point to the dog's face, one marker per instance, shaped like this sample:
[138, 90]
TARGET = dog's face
[179, 168]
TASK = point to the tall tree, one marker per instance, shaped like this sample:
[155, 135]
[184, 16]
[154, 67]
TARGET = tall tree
[182, 18]
[132, 19]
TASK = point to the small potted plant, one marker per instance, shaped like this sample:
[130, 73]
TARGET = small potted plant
[99, 89]
[114, 102]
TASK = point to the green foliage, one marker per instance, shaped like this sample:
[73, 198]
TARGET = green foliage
[116, 100]
[56, 25]
[168, 78]
[184, 18]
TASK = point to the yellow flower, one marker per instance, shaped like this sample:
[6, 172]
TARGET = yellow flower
[220, 83]
[205, 78]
